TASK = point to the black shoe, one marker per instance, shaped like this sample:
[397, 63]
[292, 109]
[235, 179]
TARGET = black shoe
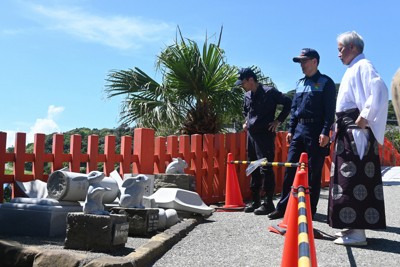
[318, 234]
[265, 209]
[276, 215]
[252, 207]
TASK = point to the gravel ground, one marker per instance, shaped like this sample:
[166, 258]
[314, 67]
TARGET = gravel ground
[240, 239]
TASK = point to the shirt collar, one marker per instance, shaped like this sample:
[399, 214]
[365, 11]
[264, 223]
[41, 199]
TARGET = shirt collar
[313, 78]
[356, 59]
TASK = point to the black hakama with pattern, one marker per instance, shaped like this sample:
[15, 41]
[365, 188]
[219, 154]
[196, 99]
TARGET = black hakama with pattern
[356, 193]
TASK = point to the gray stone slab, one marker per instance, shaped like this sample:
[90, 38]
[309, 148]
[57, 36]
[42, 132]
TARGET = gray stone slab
[34, 220]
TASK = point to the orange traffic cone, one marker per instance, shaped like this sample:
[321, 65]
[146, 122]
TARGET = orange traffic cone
[233, 196]
[290, 250]
[282, 226]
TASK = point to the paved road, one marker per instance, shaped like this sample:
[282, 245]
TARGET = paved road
[240, 239]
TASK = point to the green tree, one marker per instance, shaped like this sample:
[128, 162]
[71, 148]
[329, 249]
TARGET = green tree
[195, 95]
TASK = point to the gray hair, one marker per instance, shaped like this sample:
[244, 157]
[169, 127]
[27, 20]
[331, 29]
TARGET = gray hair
[351, 37]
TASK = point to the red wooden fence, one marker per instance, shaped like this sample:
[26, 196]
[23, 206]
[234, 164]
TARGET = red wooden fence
[144, 153]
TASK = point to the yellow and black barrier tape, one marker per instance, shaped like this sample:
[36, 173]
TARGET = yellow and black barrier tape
[266, 163]
[303, 237]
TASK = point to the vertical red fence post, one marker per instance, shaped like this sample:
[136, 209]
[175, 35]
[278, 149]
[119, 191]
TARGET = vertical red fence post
[75, 151]
[184, 150]
[143, 148]
[19, 165]
[4, 159]
[160, 155]
[244, 180]
[326, 169]
[219, 179]
[20, 157]
[172, 148]
[208, 166]
[196, 161]
[93, 153]
[58, 152]
[281, 150]
[3, 144]
[126, 152]
[39, 152]
[111, 157]
[278, 156]
[231, 145]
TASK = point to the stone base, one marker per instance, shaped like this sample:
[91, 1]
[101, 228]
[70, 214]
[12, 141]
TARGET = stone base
[182, 181]
[102, 233]
[36, 217]
[142, 222]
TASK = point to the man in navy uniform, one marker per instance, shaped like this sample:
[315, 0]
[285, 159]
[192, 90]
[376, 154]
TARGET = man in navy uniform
[311, 117]
[259, 109]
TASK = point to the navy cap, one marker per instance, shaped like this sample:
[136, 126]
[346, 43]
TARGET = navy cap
[245, 73]
[307, 53]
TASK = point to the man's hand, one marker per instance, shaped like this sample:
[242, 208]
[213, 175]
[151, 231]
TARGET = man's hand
[244, 126]
[361, 122]
[273, 125]
[289, 138]
[323, 140]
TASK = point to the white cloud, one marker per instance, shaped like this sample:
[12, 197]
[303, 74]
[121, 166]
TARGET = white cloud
[42, 125]
[116, 31]
[47, 125]
[53, 111]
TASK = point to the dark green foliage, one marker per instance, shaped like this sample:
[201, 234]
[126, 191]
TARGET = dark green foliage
[7, 192]
[194, 97]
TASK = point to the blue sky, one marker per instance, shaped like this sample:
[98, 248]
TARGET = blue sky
[56, 54]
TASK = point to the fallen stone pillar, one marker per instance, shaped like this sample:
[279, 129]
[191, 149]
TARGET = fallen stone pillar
[73, 186]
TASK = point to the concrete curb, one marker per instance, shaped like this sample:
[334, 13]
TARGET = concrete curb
[159, 244]
[13, 254]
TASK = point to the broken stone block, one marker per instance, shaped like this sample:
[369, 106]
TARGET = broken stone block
[182, 181]
[102, 233]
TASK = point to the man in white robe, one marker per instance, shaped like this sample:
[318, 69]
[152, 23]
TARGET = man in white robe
[356, 198]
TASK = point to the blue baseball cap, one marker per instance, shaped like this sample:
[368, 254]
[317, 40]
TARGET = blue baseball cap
[245, 73]
[307, 53]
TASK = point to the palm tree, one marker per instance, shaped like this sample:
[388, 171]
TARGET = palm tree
[195, 95]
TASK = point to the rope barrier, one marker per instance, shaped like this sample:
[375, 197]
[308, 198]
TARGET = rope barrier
[273, 164]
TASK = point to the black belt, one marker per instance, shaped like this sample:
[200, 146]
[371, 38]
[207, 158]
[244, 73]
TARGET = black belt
[304, 121]
[346, 119]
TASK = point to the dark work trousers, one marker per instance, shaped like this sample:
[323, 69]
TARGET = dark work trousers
[305, 139]
[261, 145]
